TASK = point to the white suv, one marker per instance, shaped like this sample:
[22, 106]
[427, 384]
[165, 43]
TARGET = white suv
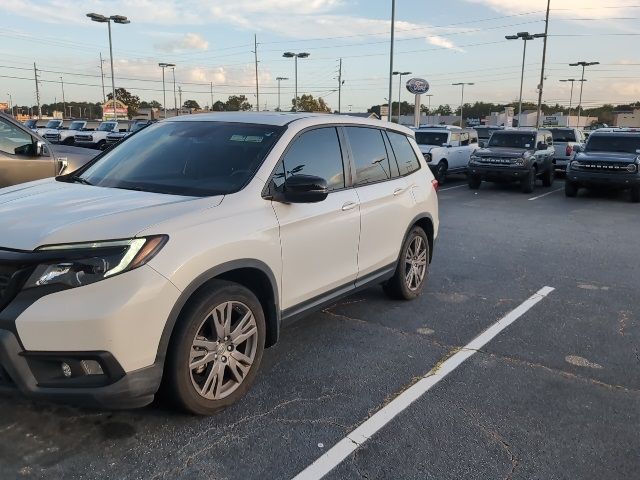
[175, 256]
[446, 149]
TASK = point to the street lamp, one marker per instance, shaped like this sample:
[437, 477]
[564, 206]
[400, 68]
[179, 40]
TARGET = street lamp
[122, 20]
[583, 65]
[10, 103]
[400, 74]
[462, 84]
[279, 79]
[525, 36]
[572, 80]
[164, 65]
[295, 56]
[63, 102]
[175, 100]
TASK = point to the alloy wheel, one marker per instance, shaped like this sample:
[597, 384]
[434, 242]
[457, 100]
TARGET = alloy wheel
[415, 263]
[223, 350]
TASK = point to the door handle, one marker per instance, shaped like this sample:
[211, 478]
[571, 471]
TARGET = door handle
[398, 191]
[349, 206]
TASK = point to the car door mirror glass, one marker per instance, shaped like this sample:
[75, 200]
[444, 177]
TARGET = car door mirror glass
[28, 149]
[303, 189]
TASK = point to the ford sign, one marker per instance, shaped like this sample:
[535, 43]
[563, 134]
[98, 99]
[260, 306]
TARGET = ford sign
[417, 86]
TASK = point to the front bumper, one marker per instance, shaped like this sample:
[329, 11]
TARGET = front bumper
[600, 179]
[498, 174]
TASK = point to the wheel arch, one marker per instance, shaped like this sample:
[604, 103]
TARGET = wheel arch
[252, 274]
[425, 222]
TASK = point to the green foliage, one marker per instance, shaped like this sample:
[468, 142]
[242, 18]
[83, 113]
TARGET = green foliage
[131, 101]
[306, 103]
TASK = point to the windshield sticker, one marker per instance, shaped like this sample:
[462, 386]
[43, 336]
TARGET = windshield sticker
[527, 145]
[246, 138]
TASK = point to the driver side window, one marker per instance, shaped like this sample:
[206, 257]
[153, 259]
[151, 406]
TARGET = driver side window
[15, 141]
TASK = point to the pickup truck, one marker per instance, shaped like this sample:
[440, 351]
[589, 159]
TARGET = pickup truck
[51, 125]
[564, 139]
[446, 149]
[26, 156]
[96, 138]
[65, 136]
[114, 137]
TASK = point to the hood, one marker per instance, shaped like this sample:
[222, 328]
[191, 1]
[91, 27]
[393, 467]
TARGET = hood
[607, 156]
[49, 212]
[76, 156]
[502, 152]
[427, 148]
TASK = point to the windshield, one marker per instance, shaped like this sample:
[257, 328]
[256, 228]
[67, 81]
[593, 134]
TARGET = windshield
[106, 127]
[484, 133]
[512, 140]
[186, 158]
[76, 125]
[137, 126]
[563, 135]
[30, 123]
[432, 138]
[53, 124]
[613, 143]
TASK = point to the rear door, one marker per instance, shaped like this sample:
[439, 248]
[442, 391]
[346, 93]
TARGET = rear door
[19, 161]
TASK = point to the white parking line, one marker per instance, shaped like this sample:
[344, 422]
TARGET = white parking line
[341, 450]
[451, 188]
[545, 194]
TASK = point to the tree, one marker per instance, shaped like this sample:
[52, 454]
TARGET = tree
[237, 103]
[131, 101]
[306, 103]
[218, 106]
[443, 110]
[191, 104]
[151, 104]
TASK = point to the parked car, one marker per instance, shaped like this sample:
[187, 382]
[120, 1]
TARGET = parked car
[180, 267]
[484, 134]
[611, 158]
[66, 135]
[25, 156]
[31, 124]
[446, 149]
[134, 126]
[564, 139]
[96, 138]
[521, 155]
[55, 124]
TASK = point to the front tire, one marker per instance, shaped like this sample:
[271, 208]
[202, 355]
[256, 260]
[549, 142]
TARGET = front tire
[635, 194]
[570, 189]
[548, 177]
[412, 270]
[529, 182]
[474, 182]
[216, 349]
[441, 172]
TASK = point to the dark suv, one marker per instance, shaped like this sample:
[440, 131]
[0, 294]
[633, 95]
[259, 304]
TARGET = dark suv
[611, 157]
[514, 155]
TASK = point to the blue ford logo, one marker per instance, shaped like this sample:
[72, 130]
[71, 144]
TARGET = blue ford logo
[417, 86]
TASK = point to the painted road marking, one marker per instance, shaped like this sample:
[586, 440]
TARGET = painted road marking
[545, 194]
[451, 188]
[341, 450]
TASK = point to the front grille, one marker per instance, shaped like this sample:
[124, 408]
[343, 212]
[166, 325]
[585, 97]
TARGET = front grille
[113, 140]
[84, 138]
[496, 161]
[54, 137]
[605, 167]
[5, 379]
[11, 280]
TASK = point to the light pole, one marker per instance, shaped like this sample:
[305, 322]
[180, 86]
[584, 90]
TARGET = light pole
[429, 95]
[122, 20]
[462, 84]
[10, 103]
[279, 79]
[295, 56]
[525, 36]
[175, 100]
[400, 74]
[164, 65]
[572, 80]
[63, 102]
[583, 65]
[393, 29]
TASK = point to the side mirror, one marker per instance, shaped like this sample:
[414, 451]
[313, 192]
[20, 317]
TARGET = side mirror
[303, 189]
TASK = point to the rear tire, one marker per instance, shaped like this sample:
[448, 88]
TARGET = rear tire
[474, 182]
[529, 182]
[635, 195]
[548, 177]
[412, 269]
[441, 172]
[216, 349]
[570, 189]
[68, 141]
[101, 145]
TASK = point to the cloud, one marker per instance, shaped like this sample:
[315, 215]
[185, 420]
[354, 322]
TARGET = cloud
[568, 9]
[188, 41]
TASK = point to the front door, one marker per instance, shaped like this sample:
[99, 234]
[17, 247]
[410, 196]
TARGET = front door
[319, 241]
[19, 161]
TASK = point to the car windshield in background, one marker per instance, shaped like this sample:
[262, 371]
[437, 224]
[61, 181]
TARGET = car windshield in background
[186, 158]
[30, 123]
[53, 124]
[431, 138]
[484, 133]
[512, 140]
[106, 127]
[137, 126]
[613, 143]
[75, 125]
[563, 135]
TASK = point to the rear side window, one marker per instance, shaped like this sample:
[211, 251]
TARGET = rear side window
[316, 152]
[407, 160]
[369, 155]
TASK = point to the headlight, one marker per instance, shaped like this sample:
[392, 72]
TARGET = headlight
[427, 157]
[574, 164]
[79, 264]
[519, 162]
[473, 159]
[631, 167]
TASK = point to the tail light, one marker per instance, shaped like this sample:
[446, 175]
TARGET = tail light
[435, 184]
[568, 151]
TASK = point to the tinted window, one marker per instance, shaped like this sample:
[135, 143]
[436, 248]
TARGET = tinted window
[186, 158]
[316, 152]
[369, 155]
[464, 139]
[614, 143]
[512, 140]
[563, 135]
[485, 133]
[432, 138]
[406, 156]
[13, 140]
[455, 139]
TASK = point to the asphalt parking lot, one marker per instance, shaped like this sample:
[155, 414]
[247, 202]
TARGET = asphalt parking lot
[555, 395]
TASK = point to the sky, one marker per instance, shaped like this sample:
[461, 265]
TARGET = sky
[442, 41]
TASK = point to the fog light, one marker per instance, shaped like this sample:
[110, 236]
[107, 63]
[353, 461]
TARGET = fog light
[66, 369]
[91, 367]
